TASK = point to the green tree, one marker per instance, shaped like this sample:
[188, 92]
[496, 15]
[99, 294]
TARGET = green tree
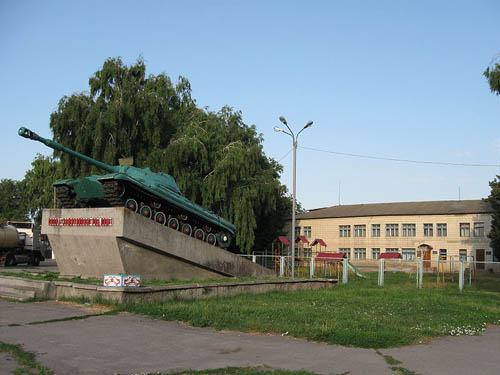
[38, 186]
[492, 74]
[494, 200]
[216, 159]
[218, 162]
[12, 201]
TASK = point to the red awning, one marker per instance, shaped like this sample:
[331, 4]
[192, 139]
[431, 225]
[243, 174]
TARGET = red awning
[318, 241]
[301, 238]
[283, 240]
[389, 256]
[330, 256]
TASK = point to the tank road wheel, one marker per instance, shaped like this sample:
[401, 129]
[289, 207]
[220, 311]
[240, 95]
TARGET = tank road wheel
[187, 229]
[224, 239]
[161, 218]
[173, 223]
[131, 204]
[211, 239]
[146, 211]
[199, 234]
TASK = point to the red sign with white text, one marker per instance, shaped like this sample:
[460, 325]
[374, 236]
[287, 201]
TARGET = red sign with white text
[80, 221]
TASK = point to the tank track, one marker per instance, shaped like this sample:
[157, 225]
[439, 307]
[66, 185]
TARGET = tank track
[64, 196]
[118, 192]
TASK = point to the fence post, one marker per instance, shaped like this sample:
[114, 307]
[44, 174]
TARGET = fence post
[282, 266]
[345, 270]
[311, 270]
[381, 272]
[461, 276]
[470, 272]
[254, 258]
[421, 274]
[418, 274]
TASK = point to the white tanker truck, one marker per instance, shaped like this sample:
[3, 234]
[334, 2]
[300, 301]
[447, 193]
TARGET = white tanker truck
[21, 243]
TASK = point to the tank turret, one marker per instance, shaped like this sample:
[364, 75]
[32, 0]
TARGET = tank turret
[153, 195]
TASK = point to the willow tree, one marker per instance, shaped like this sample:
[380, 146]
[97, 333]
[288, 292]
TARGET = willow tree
[218, 162]
[216, 159]
[124, 114]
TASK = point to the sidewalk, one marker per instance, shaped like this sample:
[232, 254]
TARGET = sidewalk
[130, 344]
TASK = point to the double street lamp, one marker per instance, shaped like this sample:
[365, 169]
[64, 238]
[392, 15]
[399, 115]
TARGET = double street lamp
[294, 138]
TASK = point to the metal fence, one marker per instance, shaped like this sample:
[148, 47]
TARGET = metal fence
[457, 272]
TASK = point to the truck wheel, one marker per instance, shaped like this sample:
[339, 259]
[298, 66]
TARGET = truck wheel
[10, 261]
[35, 260]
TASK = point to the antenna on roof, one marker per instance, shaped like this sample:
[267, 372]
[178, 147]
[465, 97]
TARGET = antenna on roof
[459, 193]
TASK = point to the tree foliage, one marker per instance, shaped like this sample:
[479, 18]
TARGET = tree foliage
[493, 77]
[216, 159]
[492, 74]
[13, 205]
[38, 186]
[494, 200]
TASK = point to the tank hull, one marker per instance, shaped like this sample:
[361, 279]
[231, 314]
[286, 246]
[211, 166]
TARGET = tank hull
[172, 204]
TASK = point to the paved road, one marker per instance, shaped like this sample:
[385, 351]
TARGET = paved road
[130, 344]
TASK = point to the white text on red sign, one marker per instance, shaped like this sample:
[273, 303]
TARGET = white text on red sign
[80, 221]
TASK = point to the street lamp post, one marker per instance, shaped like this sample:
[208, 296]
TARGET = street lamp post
[294, 138]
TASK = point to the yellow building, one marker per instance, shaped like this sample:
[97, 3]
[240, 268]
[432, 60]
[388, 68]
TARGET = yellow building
[416, 230]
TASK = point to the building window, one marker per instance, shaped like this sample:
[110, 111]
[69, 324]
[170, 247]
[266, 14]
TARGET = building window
[360, 230]
[462, 254]
[297, 232]
[428, 230]
[464, 230]
[441, 230]
[375, 252]
[408, 254]
[442, 254]
[375, 230]
[478, 229]
[344, 231]
[360, 253]
[346, 251]
[307, 232]
[409, 230]
[391, 230]
[392, 250]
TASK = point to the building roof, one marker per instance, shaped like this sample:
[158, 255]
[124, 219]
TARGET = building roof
[400, 209]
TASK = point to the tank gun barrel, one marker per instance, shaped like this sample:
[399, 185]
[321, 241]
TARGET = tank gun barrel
[26, 133]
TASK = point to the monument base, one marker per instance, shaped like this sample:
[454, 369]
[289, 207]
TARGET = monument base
[92, 242]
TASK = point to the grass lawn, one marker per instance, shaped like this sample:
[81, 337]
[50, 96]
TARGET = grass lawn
[356, 314]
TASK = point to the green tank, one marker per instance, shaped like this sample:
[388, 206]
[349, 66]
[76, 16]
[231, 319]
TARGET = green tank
[153, 195]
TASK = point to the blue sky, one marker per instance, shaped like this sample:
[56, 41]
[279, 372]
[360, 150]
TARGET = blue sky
[396, 79]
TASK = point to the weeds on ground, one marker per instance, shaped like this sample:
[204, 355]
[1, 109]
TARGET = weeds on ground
[26, 360]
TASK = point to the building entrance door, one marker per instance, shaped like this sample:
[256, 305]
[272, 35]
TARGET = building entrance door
[480, 258]
[424, 253]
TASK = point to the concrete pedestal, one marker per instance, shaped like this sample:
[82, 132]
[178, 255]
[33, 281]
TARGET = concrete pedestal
[92, 242]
